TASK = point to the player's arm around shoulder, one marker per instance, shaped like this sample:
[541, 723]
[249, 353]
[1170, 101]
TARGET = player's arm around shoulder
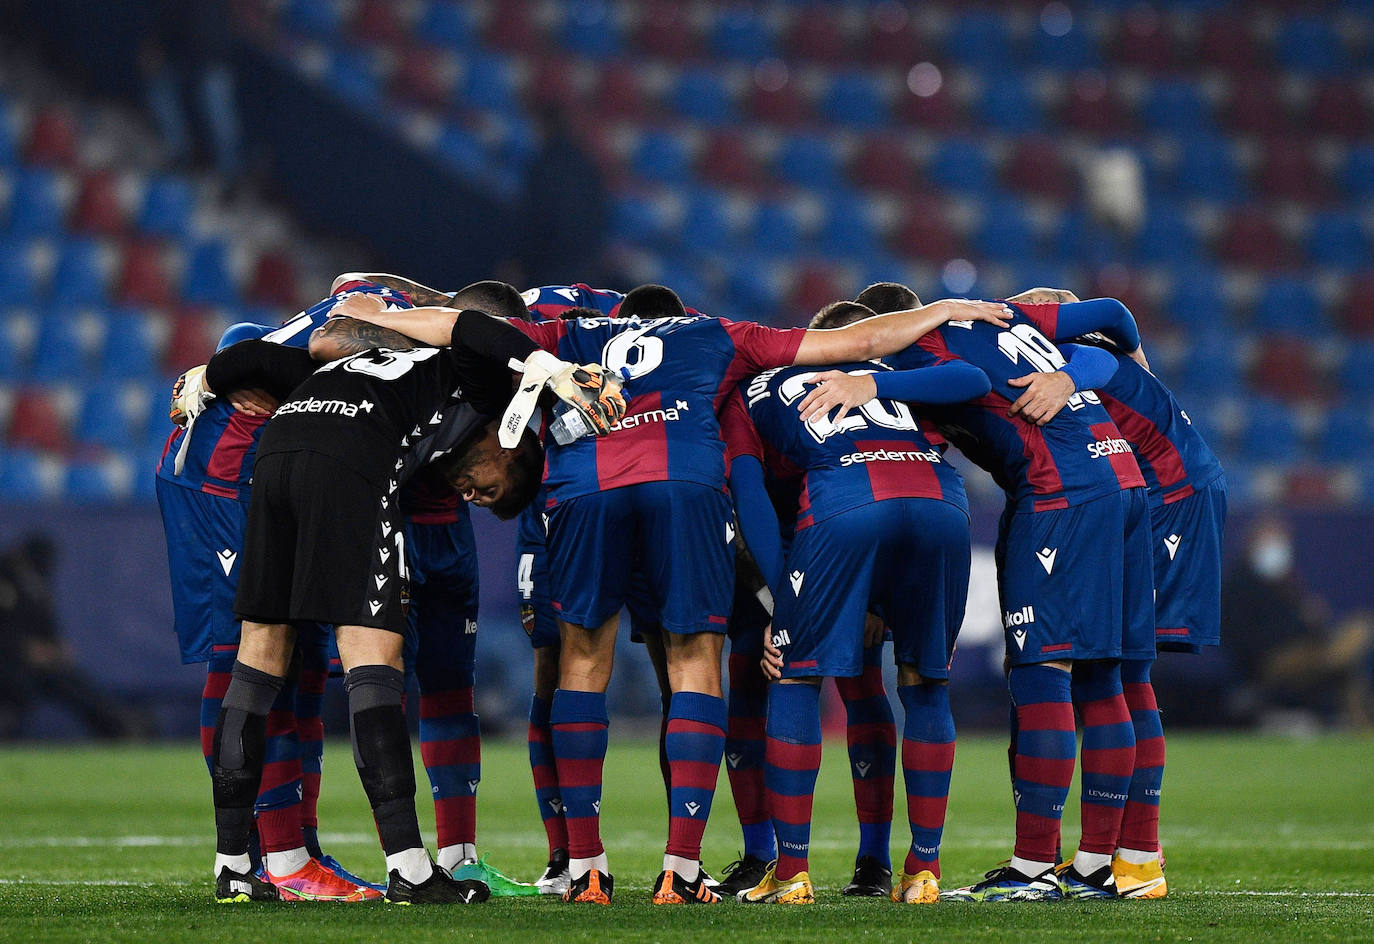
[882, 335]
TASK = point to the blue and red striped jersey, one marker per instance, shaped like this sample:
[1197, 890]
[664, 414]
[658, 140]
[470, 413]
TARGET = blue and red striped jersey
[677, 372]
[550, 301]
[876, 451]
[1172, 454]
[224, 442]
[1076, 457]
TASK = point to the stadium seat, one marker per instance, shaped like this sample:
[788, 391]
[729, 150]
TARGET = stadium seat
[352, 75]
[849, 231]
[728, 158]
[81, 273]
[1347, 433]
[855, 99]
[1288, 304]
[1144, 41]
[52, 138]
[775, 229]
[706, 220]
[208, 279]
[378, 21]
[1357, 177]
[20, 278]
[962, 165]
[1309, 44]
[638, 219]
[192, 341]
[275, 280]
[1255, 106]
[489, 82]
[702, 95]
[810, 161]
[143, 276]
[99, 481]
[1005, 233]
[555, 83]
[314, 18]
[168, 205]
[979, 41]
[620, 96]
[817, 34]
[424, 76]
[511, 26]
[1268, 421]
[740, 32]
[1226, 42]
[1288, 171]
[1093, 107]
[447, 23]
[1250, 238]
[662, 157]
[65, 345]
[1037, 167]
[98, 210]
[133, 345]
[883, 162]
[18, 333]
[816, 286]
[1337, 239]
[1198, 301]
[110, 416]
[9, 146]
[591, 29]
[1178, 106]
[462, 150]
[37, 422]
[1357, 372]
[925, 232]
[783, 105]
[1009, 105]
[1356, 311]
[1285, 368]
[29, 476]
[35, 203]
[894, 37]
[1338, 108]
[666, 29]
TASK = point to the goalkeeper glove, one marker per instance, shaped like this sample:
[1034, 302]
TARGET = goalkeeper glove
[590, 390]
[189, 396]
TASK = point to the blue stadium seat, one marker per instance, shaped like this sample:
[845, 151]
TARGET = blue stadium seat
[1009, 105]
[848, 232]
[168, 205]
[9, 150]
[1078, 237]
[463, 151]
[1357, 176]
[79, 278]
[1176, 105]
[352, 76]
[1267, 421]
[662, 157]
[1348, 433]
[1207, 169]
[27, 476]
[15, 340]
[706, 221]
[1166, 237]
[1005, 233]
[131, 347]
[1310, 45]
[208, 279]
[98, 482]
[742, 33]
[637, 219]
[1357, 373]
[1212, 366]
[1289, 305]
[979, 40]
[35, 206]
[1337, 239]
[62, 351]
[18, 276]
[105, 417]
[447, 23]
[776, 230]
[810, 161]
[312, 17]
[489, 82]
[855, 99]
[1073, 51]
[962, 165]
[591, 29]
[701, 95]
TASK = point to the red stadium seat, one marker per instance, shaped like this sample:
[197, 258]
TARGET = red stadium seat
[1226, 42]
[782, 106]
[1356, 312]
[1037, 167]
[1285, 368]
[378, 21]
[893, 37]
[37, 423]
[666, 30]
[621, 95]
[52, 140]
[511, 26]
[424, 76]
[817, 34]
[1338, 108]
[1115, 281]
[194, 336]
[938, 112]
[925, 232]
[1092, 106]
[1144, 40]
[884, 163]
[817, 286]
[97, 210]
[1255, 106]
[275, 281]
[1250, 238]
[1287, 171]
[143, 276]
[729, 159]
[554, 83]
[1311, 485]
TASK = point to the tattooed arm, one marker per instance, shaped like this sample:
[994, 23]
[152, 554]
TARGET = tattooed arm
[344, 337]
[420, 295]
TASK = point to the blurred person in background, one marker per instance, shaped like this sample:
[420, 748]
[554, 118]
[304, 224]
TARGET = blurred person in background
[1290, 651]
[35, 664]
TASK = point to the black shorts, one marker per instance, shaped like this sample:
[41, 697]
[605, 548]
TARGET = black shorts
[323, 544]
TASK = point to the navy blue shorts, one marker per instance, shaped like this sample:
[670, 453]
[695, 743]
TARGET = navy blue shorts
[204, 541]
[1187, 568]
[676, 534]
[906, 559]
[1077, 583]
[441, 620]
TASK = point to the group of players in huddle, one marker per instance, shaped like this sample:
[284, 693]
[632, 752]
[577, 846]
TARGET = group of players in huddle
[786, 488]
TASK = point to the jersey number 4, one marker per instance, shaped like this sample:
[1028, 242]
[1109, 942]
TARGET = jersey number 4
[1024, 342]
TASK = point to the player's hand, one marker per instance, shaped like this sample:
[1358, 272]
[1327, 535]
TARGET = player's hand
[254, 402]
[874, 630]
[771, 663]
[961, 309]
[189, 396]
[835, 388]
[1046, 394]
[1043, 296]
[593, 391]
[365, 306]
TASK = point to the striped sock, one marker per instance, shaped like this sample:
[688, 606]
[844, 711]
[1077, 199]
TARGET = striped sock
[451, 750]
[1045, 747]
[927, 759]
[545, 770]
[1140, 824]
[310, 734]
[793, 761]
[872, 736]
[694, 743]
[217, 674]
[278, 807]
[744, 751]
[1108, 753]
[579, 745]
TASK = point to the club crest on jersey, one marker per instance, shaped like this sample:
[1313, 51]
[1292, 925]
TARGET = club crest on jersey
[1171, 544]
[1046, 556]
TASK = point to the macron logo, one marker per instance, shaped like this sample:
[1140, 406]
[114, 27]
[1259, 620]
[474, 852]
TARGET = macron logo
[693, 808]
[863, 768]
[227, 558]
[733, 760]
[729, 532]
[1046, 556]
[1171, 544]
[374, 606]
[796, 578]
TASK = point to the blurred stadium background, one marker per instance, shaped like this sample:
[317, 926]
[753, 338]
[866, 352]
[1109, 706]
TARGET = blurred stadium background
[169, 169]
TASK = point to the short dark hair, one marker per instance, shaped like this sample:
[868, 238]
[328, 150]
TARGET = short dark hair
[572, 314]
[841, 313]
[651, 301]
[495, 298]
[526, 475]
[884, 297]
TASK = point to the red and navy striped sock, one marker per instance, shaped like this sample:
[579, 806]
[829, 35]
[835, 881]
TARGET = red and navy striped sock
[694, 744]
[1045, 748]
[545, 771]
[1140, 823]
[1108, 753]
[744, 752]
[451, 749]
[872, 735]
[279, 797]
[579, 745]
[218, 671]
[927, 759]
[793, 761]
[310, 734]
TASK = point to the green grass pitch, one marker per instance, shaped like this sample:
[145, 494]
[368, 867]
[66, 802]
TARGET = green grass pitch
[1267, 839]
